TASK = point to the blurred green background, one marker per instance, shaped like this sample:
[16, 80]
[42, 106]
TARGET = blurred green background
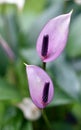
[19, 29]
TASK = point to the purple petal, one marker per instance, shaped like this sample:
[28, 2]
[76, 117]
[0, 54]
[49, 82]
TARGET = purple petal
[40, 86]
[53, 37]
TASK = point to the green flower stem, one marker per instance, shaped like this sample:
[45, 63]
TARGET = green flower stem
[44, 66]
[46, 119]
[43, 112]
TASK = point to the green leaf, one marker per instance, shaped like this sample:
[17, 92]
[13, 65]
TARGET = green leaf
[8, 92]
[32, 6]
[30, 55]
[74, 42]
[2, 111]
[76, 64]
[66, 78]
[62, 126]
[3, 61]
[76, 111]
[80, 87]
[41, 20]
[11, 29]
[21, 78]
[28, 126]
[12, 119]
[60, 98]
[25, 21]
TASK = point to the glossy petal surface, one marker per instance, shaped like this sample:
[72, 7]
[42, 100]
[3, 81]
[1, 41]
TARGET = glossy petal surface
[56, 30]
[37, 78]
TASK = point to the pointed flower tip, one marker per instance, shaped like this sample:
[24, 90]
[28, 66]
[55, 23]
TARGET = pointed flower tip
[71, 12]
[25, 64]
[40, 86]
[53, 38]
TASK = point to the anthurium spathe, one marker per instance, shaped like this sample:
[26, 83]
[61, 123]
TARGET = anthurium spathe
[53, 37]
[40, 86]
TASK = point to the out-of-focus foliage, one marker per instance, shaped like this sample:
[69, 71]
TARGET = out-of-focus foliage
[20, 29]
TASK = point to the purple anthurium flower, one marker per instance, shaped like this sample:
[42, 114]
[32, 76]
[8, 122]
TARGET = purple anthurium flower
[53, 37]
[40, 86]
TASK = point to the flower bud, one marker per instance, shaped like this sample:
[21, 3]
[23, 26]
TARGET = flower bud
[40, 86]
[53, 37]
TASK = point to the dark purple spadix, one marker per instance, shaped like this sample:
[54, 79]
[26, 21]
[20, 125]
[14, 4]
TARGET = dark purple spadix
[45, 43]
[45, 92]
[40, 86]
